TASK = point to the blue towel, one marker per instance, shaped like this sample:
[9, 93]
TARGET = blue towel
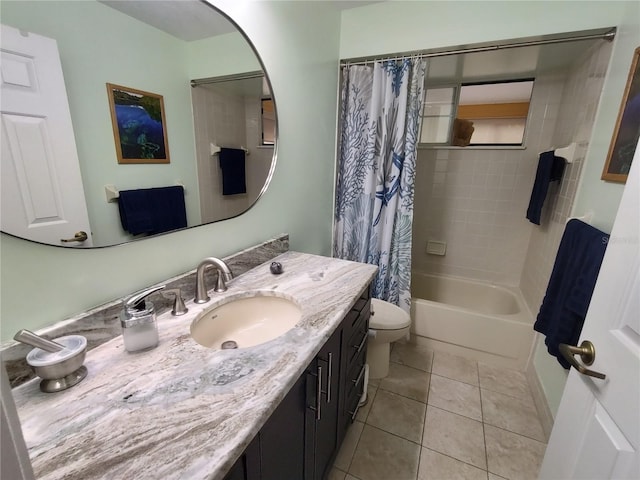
[550, 168]
[571, 285]
[233, 171]
[152, 210]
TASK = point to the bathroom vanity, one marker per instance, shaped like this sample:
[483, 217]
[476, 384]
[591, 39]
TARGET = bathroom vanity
[181, 410]
[303, 435]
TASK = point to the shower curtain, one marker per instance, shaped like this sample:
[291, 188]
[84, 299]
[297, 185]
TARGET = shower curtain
[380, 124]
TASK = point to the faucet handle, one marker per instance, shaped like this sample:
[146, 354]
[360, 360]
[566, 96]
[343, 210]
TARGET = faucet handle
[179, 308]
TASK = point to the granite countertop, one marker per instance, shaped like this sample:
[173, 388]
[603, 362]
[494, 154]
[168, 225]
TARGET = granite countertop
[182, 410]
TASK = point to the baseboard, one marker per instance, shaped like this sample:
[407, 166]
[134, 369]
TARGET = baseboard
[540, 400]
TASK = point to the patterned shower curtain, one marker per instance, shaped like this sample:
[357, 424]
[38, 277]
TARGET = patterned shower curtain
[380, 125]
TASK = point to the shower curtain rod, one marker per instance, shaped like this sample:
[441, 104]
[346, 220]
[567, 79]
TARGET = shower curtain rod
[608, 36]
[227, 78]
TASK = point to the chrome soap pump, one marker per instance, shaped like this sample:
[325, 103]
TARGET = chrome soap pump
[138, 320]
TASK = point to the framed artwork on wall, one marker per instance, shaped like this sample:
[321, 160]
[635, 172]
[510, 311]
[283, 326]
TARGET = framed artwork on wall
[139, 125]
[627, 130]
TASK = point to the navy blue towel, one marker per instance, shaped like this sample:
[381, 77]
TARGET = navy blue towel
[233, 174]
[550, 168]
[571, 285]
[152, 210]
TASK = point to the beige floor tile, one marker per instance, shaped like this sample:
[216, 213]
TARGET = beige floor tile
[399, 415]
[406, 381]
[383, 456]
[504, 380]
[456, 397]
[412, 355]
[455, 368]
[517, 415]
[435, 466]
[349, 444]
[492, 476]
[511, 455]
[454, 435]
[351, 477]
[364, 410]
[336, 474]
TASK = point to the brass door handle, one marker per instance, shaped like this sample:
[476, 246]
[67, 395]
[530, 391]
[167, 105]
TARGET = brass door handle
[78, 237]
[587, 353]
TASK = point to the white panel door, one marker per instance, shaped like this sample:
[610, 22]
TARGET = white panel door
[42, 194]
[596, 434]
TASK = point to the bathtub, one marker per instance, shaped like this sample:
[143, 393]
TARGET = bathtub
[478, 320]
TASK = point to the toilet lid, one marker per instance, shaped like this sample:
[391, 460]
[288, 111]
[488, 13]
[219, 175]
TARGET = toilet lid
[388, 316]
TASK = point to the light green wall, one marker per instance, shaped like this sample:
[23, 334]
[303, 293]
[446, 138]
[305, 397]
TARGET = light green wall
[137, 56]
[424, 25]
[298, 42]
[221, 55]
[594, 195]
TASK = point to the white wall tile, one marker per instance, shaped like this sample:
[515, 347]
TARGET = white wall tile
[476, 200]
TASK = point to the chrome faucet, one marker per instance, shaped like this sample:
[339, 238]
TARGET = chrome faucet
[224, 276]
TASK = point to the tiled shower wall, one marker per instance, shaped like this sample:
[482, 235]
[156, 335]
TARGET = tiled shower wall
[475, 199]
[227, 120]
[580, 98]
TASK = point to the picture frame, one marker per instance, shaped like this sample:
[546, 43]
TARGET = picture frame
[627, 129]
[139, 125]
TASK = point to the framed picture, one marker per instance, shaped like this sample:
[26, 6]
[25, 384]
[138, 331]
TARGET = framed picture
[627, 131]
[139, 125]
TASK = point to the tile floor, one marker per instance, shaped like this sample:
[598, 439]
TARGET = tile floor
[440, 416]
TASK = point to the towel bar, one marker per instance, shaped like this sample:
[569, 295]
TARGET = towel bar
[112, 193]
[568, 152]
[586, 218]
[215, 149]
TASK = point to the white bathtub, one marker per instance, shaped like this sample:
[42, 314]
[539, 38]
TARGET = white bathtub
[474, 319]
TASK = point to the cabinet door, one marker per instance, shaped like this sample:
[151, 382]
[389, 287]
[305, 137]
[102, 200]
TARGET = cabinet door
[283, 438]
[247, 467]
[325, 371]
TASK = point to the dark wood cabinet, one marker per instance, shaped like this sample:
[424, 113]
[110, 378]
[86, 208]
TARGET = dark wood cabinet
[324, 393]
[283, 439]
[303, 435]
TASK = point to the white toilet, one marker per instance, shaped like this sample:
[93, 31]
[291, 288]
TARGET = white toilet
[388, 323]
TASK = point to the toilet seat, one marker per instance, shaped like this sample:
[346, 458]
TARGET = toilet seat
[388, 316]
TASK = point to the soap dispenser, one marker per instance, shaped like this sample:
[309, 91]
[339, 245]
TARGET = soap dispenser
[138, 320]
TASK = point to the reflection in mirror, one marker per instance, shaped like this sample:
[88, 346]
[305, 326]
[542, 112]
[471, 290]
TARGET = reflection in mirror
[152, 46]
[227, 112]
[268, 122]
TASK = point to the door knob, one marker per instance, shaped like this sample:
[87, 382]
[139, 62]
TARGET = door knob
[587, 353]
[78, 237]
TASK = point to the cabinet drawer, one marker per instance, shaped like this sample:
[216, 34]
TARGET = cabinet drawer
[355, 376]
[355, 389]
[357, 342]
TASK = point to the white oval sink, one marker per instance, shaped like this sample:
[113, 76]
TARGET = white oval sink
[247, 321]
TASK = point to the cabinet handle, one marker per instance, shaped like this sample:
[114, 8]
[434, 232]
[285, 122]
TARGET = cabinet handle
[318, 392]
[361, 346]
[355, 412]
[357, 380]
[329, 370]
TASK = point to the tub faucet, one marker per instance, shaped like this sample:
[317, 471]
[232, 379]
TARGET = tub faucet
[224, 276]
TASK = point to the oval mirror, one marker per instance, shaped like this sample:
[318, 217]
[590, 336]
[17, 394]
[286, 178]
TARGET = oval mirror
[124, 120]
